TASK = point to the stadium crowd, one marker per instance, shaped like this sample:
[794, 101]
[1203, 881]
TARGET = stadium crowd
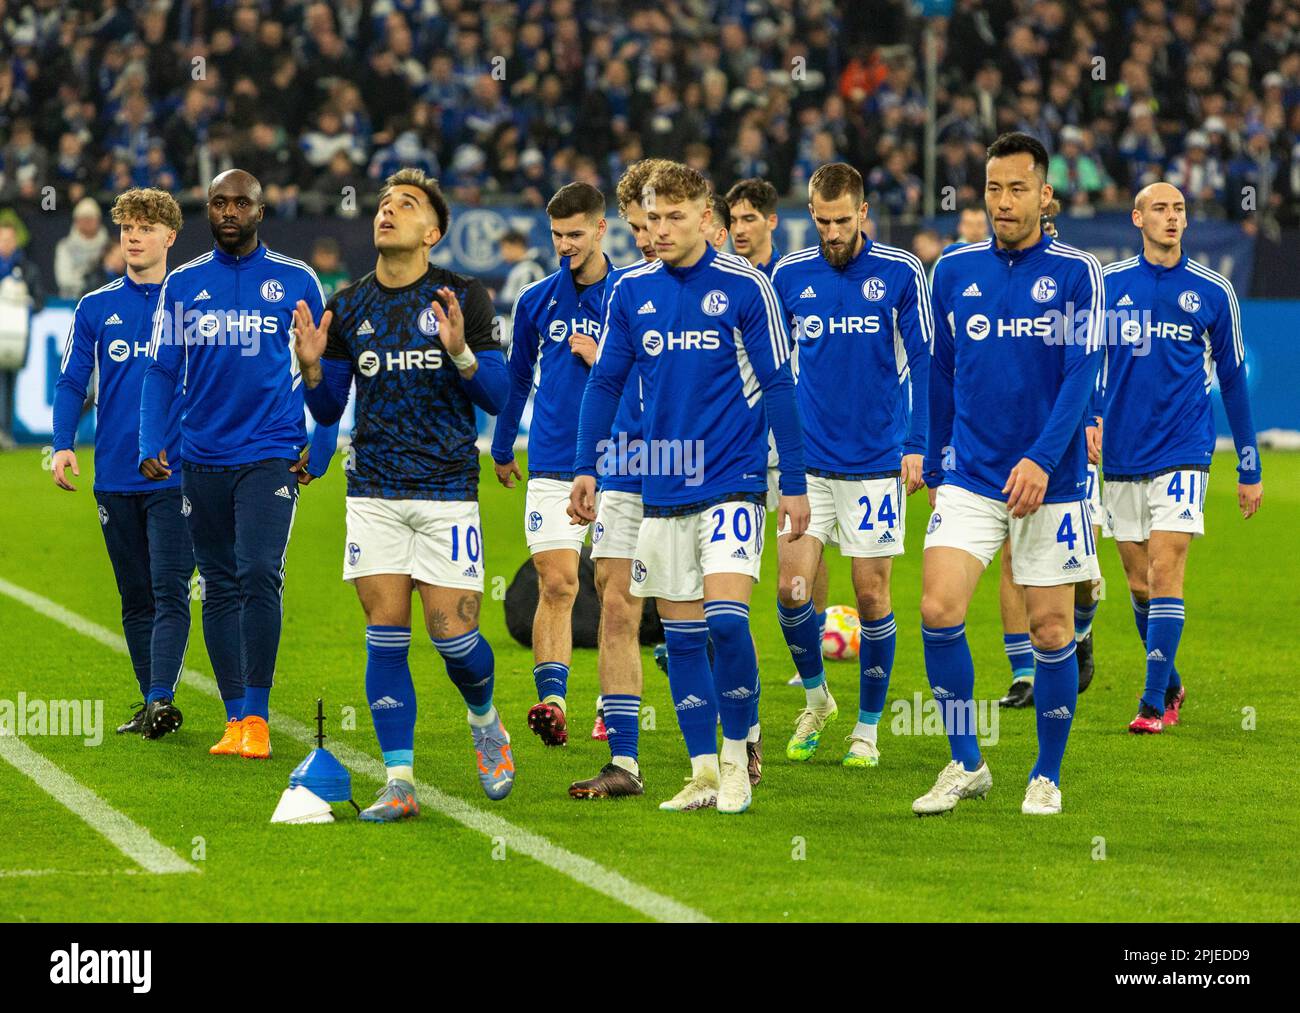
[506, 100]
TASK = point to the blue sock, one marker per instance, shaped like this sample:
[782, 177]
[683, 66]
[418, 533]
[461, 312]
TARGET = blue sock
[470, 666]
[735, 669]
[690, 680]
[1056, 692]
[622, 722]
[799, 624]
[391, 692]
[234, 708]
[821, 623]
[1141, 610]
[951, 672]
[158, 693]
[1020, 652]
[552, 679]
[257, 702]
[869, 717]
[875, 663]
[1083, 616]
[1164, 629]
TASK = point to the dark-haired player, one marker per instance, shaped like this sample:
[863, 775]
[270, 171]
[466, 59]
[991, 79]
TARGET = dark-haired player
[421, 364]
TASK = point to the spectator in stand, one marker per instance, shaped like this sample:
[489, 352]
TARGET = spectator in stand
[77, 255]
[1077, 178]
[522, 265]
[1200, 177]
[327, 262]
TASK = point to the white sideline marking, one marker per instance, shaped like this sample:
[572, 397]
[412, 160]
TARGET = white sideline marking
[581, 870]
[31, 873]
[122, 832]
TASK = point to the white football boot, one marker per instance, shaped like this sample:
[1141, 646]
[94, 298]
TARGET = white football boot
[734, 794]
[1042, 798]
[700, 793]
[954, 784]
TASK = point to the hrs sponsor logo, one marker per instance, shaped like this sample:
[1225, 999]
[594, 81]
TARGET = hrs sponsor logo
[560, 329]
[655, 342]
[119, 350]
[370, 362]
[813, 327]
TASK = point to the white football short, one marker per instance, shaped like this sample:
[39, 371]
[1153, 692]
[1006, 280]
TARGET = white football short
[1052, 546]
[1098, 512]
[618, 522]
[435, 541]
[674, 554]
[865, 516]
[1174, 501]
[546, 517]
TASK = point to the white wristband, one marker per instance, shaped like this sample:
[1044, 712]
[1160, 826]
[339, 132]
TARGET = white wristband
[465, 359]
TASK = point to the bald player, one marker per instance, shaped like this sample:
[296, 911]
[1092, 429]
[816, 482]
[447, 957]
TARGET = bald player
[1178, 326]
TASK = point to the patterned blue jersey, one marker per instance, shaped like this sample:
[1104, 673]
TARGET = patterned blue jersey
[710, 342]
[861, 331]
[111, 327]
[1177, 326]
[545, 314]
[1017, 348]
[222, 328]
[415, 429]
[627, 422]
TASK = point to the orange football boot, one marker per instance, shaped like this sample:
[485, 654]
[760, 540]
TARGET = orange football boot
[230, 741]
[256, 744]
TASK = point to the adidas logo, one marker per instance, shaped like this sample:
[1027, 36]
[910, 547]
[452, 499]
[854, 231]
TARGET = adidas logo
[283, 492]
[972, 289]
[470, 571]
[1059, 712]
[1125, 301]
[1072, 564]
[942, 694]
[690, 703]
[796, 649]
[808, 293]
[385, 703]
[739, 693]
[874, 672]
[1156, 655]
[739, 554]
[551, 303]
[114, 319]
[366, 328]
[203, 294]
[1186, 515]
[885, 539]
[646, 307]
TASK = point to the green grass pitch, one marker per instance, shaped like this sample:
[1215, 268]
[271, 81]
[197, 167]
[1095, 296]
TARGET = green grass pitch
[1195, 824]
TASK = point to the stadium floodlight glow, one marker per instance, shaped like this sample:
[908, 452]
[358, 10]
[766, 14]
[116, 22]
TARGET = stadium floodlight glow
[316, 782]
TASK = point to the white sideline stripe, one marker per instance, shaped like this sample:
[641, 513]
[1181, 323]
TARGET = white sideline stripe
[122, 832]
[32, 873]
[581, 870]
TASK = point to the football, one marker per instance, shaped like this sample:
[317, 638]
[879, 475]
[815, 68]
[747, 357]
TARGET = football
[843, 629]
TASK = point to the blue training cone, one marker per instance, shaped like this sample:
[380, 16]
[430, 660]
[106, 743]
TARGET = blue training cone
[319, 780]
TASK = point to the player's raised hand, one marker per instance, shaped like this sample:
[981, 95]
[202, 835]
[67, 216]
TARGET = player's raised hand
[798, 511]
[1249, 498]
[299, 467]
[507, 473]
[584, 347]
[309, 338]
[1026, 486]
[155, 468]
[1093, 433]
[911, 473]
[63, 460]
[582, 500]
[451, 322]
